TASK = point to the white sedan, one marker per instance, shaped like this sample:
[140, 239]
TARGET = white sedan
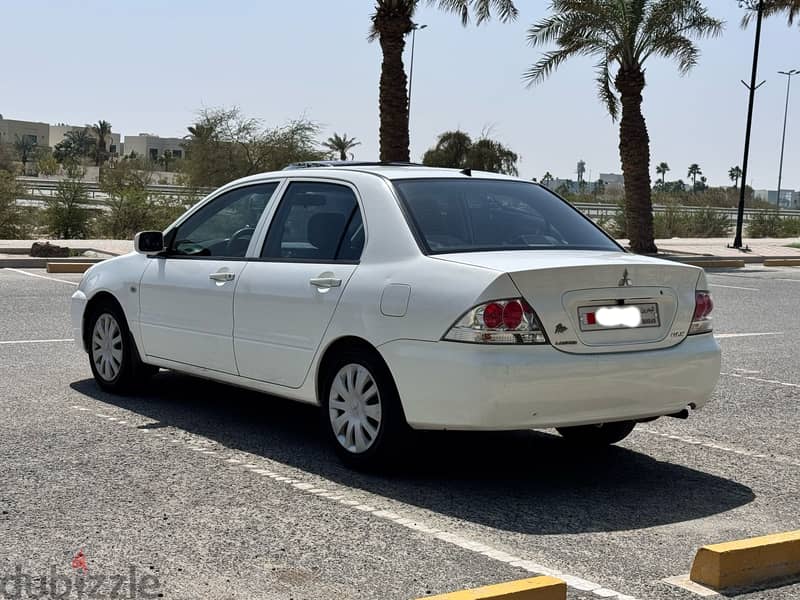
[401, 297]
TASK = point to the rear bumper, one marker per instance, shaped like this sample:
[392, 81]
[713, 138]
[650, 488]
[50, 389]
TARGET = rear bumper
[447, 385]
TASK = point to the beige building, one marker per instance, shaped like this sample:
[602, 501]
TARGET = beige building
[153, 146]
[57, 133]
[11, 129]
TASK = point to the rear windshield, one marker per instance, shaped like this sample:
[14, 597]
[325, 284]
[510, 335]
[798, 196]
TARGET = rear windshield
[471, 215]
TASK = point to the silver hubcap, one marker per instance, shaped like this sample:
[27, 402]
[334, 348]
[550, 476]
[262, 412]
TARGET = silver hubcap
[107, 347]
[354, 407]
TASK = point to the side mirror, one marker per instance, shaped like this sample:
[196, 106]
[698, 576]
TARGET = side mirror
[149, 242]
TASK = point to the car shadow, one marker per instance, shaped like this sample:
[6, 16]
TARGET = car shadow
[527, 482]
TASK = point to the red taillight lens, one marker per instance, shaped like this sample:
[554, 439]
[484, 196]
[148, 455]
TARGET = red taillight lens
[703, 305]
[512, 315]
[493, 315]
[510, 321]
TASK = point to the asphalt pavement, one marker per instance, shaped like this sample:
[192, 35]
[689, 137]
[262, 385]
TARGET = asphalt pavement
[192, 489]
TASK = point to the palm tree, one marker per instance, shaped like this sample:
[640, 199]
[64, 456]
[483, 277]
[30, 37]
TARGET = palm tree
[102, 133]
[662, 169]
[547, 179]
[341, 144]
[735, 174]
[451, 150]
[791, 8]
[623, 34]
[694, 171]
[391, 22]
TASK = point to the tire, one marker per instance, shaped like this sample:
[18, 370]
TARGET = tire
[594, 436]
[367, 430]
[113, 356]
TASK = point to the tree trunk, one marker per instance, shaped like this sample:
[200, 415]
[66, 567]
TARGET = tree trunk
[342, 155]
[634, 151]
[393, 91]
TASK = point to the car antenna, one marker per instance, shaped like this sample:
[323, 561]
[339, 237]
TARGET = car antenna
[467, 172]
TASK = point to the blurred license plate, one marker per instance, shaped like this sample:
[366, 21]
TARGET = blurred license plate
[627, 316]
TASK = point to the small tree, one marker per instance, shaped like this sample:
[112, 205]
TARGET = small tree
[25, 148]
[341, 145]
[128, 206]
[224, 145]
[165, 159]
[456, 150]
[12, 217]
[66, 213]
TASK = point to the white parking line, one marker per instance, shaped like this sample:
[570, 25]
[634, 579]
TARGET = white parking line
[785, 460]
[760, 380]
[348, 498]
[8, 342]
[722, 336]
[21, 272]
[734, 287]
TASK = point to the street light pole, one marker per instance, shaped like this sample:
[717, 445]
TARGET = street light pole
[737, 242]
[414, 28]
[789, 75]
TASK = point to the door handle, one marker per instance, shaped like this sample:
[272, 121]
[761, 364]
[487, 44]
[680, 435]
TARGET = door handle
[222, 276]
[325, 282]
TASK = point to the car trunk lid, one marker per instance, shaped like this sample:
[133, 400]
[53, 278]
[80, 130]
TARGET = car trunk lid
[567, 288]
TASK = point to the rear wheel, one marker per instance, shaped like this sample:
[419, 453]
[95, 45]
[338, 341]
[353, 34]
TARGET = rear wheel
[361, 410]
[113, 357]
[601, 434]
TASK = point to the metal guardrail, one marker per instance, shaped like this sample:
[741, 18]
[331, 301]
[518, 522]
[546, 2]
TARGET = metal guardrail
[594, 210]
[35, 186]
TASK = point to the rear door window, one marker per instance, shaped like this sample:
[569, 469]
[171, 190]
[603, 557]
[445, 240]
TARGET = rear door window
[316, 222]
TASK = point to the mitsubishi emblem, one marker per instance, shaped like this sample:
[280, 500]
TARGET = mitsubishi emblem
[625, 282]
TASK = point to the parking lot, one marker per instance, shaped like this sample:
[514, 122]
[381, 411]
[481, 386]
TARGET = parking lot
[202, 490]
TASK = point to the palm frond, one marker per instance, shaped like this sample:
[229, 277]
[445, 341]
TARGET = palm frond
[604, 91]
[481, 9]
[670, 28]
[771, 8]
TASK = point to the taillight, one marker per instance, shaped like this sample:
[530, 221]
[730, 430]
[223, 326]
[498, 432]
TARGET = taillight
[509, 321]
[703, 305]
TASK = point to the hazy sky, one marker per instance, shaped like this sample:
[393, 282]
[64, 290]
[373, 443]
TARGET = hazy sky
[149, 65]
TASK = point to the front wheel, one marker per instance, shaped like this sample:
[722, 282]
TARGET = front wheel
[113, 357]
[602, 434]
[361, 411]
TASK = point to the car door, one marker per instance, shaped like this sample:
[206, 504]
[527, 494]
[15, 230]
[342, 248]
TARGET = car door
[186, 295]
[286, 299]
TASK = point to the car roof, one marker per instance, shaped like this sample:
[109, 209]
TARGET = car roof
[392, 171]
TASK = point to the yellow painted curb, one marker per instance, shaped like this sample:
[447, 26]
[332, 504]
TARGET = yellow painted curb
[747, 562]
[65, 267]
[733, 263]
[535, 588]
[782, 262]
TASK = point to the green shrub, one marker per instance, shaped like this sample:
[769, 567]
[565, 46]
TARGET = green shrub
[12, 216]
[790, 227]
[764, 224]
[67, 214]
[708, 222]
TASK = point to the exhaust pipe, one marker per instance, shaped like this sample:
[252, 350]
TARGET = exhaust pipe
[683, 414]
